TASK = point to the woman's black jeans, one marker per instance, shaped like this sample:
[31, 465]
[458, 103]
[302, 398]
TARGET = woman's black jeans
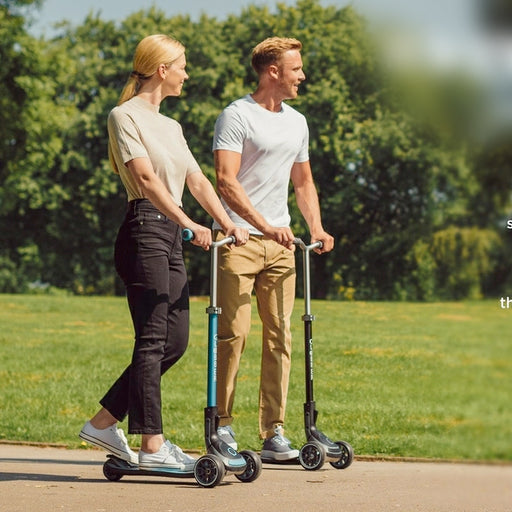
[149, 259]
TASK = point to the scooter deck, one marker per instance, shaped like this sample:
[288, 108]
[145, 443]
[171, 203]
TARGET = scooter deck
[114, 468]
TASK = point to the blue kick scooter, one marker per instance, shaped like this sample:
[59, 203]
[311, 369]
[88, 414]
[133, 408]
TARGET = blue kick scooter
[220, 457]
[210, 469]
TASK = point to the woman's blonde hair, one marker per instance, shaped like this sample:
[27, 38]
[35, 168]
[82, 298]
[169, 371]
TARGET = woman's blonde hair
[149, 54]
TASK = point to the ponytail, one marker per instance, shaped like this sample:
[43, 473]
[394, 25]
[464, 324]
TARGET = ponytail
[129, 90]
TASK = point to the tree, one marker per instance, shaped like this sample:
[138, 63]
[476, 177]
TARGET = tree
[16, 55]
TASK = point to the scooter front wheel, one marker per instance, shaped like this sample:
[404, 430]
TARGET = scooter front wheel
[312, 456]
[347, 456]
[254, 466]
[209, 470]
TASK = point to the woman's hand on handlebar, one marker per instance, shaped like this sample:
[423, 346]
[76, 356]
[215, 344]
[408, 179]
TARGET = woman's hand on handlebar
[202, 236]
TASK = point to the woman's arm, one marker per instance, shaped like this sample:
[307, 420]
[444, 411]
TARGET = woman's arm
[152, 188]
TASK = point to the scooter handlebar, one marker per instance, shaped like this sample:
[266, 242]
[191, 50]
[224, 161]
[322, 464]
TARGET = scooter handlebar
[188, 235]
[316, 245]
[228, 240]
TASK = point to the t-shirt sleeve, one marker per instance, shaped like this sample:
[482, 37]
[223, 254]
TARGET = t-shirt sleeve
[229, 131]
[192, 165]
[126, 134]
[303, 155]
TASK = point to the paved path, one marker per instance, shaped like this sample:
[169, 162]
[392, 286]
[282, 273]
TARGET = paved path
[34, 479]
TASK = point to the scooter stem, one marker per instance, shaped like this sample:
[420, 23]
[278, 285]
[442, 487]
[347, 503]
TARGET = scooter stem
[213, 312]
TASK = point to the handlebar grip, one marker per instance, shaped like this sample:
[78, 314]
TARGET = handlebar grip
[187, 235]
[316, 245]
[228, 240]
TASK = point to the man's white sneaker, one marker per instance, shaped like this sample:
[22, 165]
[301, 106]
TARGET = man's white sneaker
[169, 456]
[111, 439]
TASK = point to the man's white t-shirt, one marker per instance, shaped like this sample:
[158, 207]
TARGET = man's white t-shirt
[270, 143]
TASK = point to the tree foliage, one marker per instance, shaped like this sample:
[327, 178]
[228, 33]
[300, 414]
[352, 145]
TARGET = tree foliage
[414, 210]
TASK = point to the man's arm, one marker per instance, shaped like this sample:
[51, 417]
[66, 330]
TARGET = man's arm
[227, 167]
[307, 201]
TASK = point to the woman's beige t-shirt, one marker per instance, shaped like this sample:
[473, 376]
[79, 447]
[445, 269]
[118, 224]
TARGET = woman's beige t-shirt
[136, 130]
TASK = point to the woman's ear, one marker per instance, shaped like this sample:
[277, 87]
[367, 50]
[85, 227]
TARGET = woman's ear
[162, 70]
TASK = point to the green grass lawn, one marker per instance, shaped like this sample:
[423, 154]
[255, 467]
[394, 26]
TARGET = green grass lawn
[393, 379]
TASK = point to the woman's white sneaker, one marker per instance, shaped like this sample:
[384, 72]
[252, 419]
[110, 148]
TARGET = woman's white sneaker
[169, 456]
[111, 439]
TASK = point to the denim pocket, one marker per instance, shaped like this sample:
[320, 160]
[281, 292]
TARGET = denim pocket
[150, 216]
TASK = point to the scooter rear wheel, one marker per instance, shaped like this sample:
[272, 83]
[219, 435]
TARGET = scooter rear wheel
[110, 473]
[254, 466]
[209, 470]
[312, 456]
[347, 456]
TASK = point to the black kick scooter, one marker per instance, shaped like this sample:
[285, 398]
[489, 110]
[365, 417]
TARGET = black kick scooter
[318, 448]
[210, 469]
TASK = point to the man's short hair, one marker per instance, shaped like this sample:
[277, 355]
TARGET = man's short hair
[270, 50]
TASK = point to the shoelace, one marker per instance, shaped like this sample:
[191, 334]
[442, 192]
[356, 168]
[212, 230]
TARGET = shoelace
[178, 453]
[279, 433]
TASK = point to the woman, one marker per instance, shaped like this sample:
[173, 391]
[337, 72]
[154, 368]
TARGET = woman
[151, 156]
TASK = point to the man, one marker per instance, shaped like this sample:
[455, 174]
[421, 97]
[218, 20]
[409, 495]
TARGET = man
[260, 143]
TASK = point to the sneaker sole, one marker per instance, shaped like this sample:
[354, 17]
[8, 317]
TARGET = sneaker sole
[166, 469]
[278, 456]
[101, 444]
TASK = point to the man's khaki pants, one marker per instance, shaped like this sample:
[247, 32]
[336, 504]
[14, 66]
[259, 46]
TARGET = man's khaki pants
[267, 268]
